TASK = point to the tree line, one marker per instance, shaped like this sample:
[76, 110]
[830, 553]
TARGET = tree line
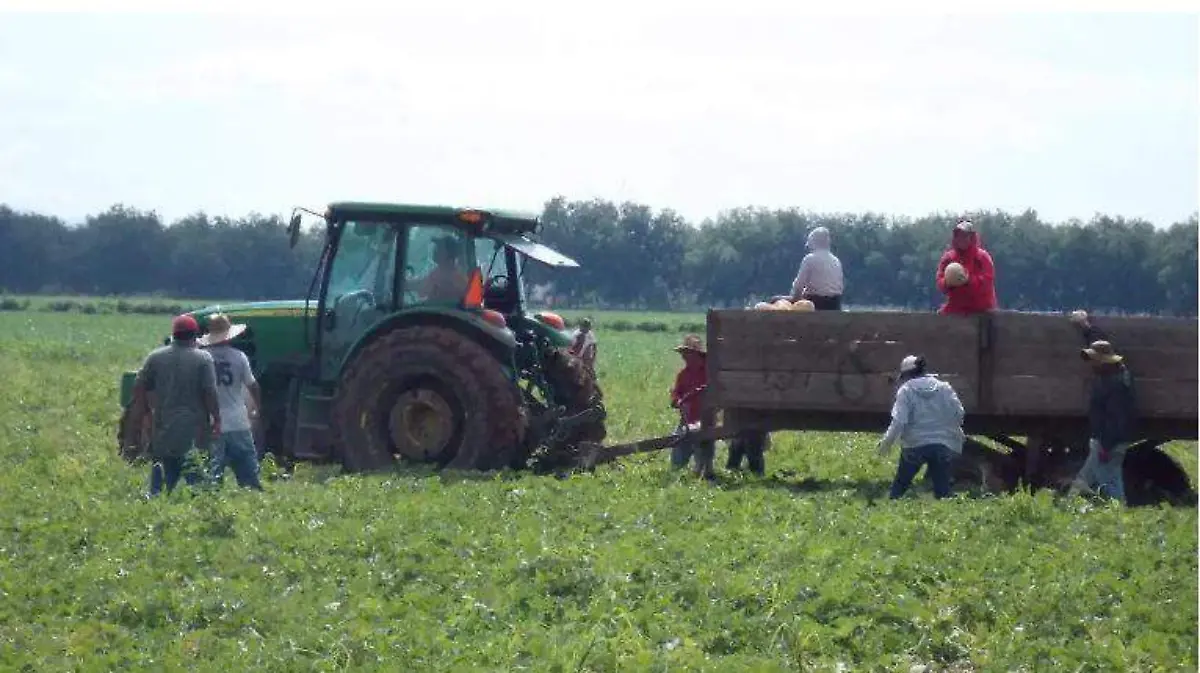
[635, 257]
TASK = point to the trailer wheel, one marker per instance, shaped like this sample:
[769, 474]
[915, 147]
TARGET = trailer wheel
[1153, 476]
[984, 468]
[427, 394]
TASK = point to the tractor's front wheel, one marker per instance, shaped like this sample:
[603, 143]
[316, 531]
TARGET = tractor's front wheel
[427, 394]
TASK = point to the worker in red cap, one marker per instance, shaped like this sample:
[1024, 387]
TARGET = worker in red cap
[966, 274]
[179, 383]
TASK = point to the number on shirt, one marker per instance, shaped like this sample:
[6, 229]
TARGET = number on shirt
[224, 373]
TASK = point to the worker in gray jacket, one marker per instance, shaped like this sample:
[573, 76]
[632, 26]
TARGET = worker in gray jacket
[927, 419]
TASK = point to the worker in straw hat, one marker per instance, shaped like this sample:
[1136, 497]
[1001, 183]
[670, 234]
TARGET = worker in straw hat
[687, 396]
[240, 400]
[1112, 415]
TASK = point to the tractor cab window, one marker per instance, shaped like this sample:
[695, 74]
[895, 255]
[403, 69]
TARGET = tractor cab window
[490, 255]
[438, 264]
[364, 266]
[498, 288]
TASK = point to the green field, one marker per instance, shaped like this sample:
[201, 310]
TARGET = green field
[632, 568]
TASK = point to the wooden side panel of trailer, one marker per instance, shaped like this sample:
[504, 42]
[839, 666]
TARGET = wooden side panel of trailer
[832, 361]
[1036, 368]
[1011, 370]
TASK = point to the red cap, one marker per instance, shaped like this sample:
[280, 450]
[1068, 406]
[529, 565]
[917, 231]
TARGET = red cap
[184, 324]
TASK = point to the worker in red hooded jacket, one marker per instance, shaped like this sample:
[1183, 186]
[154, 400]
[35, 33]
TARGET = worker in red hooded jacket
[978, 294]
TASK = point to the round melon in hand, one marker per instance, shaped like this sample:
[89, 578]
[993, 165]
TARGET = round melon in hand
[956, 275]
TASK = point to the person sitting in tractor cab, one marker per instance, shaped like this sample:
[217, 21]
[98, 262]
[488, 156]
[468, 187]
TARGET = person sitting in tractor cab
[974, 290]
[447, 281]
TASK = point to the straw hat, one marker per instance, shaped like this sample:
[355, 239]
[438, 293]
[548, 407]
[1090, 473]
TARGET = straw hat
[691, 343]
[1103, 352]
[220, 330]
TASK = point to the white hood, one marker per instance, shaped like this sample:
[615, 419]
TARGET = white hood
[819, 239]
[927, 411]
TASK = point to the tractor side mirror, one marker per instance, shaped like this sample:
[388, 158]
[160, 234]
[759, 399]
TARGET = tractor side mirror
[294, 230]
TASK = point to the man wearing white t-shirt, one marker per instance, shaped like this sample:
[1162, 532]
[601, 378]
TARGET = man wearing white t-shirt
[235, 380]
[820, 277]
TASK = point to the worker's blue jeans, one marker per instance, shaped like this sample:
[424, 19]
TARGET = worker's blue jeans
[1106, 478]
[936, 456]
[236, 449]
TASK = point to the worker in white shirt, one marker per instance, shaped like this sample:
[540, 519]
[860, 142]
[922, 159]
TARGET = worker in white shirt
[820, 277]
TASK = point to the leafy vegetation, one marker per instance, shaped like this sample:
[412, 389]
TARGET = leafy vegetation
[634, 257]
[631, 568]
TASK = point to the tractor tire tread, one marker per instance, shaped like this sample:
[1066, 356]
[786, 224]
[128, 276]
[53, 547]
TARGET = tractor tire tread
[493, 416]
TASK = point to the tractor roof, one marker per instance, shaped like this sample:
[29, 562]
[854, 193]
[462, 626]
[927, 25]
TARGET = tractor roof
[509, 227]
[523, 220]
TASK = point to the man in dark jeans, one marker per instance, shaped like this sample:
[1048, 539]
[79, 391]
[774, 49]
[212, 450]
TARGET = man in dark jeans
[180, 382]
[927, 419]
[1112, 415]
[750, 446]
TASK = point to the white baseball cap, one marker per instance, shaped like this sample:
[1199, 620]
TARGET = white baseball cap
[911, 363]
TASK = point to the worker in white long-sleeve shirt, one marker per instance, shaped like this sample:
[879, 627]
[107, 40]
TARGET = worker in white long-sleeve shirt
[820, 278]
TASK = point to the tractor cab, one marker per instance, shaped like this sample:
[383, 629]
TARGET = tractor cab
[384, 261]
[417, 305]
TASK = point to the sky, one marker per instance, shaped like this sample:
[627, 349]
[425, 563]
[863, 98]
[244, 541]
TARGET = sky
[698, 111]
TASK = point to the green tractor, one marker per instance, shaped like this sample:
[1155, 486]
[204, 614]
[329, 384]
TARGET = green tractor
[418, 346]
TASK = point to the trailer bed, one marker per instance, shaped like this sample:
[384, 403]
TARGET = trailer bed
[1016, 373]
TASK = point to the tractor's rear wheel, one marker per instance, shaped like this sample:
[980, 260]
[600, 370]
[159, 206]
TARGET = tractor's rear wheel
[427, 394]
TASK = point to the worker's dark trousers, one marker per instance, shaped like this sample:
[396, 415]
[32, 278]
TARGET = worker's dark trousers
[167, 470]
[751, 446]
[826, 303]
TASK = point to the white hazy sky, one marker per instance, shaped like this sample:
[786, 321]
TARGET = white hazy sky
[697, 111]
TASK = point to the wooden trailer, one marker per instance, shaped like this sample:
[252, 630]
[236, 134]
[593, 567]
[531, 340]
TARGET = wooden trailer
[1020, 377]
